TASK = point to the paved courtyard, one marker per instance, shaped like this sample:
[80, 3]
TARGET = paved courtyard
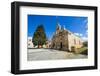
[50, 54]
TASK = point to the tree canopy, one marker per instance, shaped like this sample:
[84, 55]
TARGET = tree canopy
[39, 36]
[85, 43]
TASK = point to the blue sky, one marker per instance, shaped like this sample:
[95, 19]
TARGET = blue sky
[75, 24]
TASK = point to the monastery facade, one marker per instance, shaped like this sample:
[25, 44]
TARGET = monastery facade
[63, 39]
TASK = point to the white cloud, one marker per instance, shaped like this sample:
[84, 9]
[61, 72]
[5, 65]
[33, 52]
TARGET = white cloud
[84, 38]
[78, 34]
[29, 37]
[81, 35]
[86, 32]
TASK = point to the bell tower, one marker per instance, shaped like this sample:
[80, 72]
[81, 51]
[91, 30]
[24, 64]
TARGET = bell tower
[58, 27]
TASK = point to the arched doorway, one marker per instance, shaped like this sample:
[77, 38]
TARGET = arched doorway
[61, 45]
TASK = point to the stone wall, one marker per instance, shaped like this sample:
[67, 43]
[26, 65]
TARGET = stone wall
[65, 40]
[74, 41]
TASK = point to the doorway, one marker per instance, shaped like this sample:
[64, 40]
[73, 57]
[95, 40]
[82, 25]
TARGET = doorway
[61, 45]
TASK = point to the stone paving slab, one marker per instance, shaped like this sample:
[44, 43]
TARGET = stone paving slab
[50, 54]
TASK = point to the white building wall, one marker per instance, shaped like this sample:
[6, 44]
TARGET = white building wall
[30, 44]
[74, 41]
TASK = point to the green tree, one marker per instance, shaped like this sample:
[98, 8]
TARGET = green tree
[85, 43]
[39, 36]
